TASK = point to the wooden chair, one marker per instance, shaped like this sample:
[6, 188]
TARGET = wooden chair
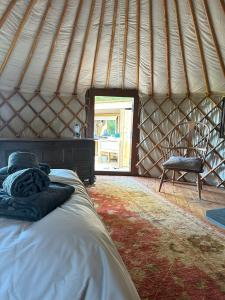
[185, 151]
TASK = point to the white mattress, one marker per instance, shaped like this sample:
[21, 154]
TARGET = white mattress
[66, 255]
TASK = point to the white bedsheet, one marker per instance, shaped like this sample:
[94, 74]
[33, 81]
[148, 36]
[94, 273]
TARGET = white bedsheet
[68, 255]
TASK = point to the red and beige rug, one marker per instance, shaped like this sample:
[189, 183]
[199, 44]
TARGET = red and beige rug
[169, 253]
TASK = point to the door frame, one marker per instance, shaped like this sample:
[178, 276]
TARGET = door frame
[90, 102]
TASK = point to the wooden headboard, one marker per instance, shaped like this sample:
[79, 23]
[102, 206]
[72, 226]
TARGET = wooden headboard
[74, 154]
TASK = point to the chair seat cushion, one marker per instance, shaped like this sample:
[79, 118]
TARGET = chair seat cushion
[189, 164]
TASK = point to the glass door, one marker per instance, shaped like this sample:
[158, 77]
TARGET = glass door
[113, 130]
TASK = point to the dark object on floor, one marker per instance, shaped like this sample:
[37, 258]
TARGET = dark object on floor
[216, 216]
[26, 182]
[34, 207]
[185, 151]
[21, 160]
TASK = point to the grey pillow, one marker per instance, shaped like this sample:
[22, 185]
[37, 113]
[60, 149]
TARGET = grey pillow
[191, 164]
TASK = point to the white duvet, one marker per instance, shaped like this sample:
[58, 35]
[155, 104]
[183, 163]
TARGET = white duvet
[68, 255]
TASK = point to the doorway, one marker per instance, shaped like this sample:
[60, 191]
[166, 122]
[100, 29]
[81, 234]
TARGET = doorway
[112, 122]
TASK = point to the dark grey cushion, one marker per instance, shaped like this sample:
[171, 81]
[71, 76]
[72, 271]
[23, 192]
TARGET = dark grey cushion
[191, 164]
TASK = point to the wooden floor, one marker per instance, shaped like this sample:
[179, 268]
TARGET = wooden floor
[186, 196]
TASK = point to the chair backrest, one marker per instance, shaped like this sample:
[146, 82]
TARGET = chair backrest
[189, 139]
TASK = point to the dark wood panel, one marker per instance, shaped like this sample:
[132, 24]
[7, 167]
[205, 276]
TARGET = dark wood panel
[74, 154]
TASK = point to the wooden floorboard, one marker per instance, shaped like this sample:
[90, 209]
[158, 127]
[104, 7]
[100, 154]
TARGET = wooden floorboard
[186, 196]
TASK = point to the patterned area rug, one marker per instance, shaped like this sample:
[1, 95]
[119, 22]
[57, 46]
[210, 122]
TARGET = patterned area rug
[169, 253]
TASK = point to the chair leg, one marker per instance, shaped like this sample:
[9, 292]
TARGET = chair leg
[173, 178]
[161, 181]
[199, 184]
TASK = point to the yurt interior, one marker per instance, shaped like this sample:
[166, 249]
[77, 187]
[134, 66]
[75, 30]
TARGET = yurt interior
[112, 149]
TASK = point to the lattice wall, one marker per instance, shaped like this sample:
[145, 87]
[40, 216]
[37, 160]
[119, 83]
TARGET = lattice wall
[37, 115]
[159, 116]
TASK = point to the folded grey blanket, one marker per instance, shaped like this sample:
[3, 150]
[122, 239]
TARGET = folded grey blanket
[21, 160]
[45, 168]
[42, 166]
[2, 178]
[26, 182]
[34, 207]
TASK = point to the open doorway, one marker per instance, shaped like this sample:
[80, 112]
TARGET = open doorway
[112, 121]
[113, 124]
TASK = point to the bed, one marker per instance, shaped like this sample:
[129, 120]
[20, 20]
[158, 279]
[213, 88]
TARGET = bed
[66, 255]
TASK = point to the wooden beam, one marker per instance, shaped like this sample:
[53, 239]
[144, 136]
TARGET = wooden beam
[17, 34]
[182, 47]
[98, 42]
[138, 17]
[53, 44]
[112, 43]
[7, 12]
[223, 5]
[212, 31]
[125, 43]
[69, 47]
[34, 45]
[204, 69]
[151, 48]
[167, 46]
[84, 45]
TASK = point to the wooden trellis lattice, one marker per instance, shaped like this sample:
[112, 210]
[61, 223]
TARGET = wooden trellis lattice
[161, 122]
[56, 115]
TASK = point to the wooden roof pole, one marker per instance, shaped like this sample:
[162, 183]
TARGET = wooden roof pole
[182, 47]
[7, 12]
[69, 47]
[98, 42]
[52, 46]
[204, 69]
[167, 47]
[151, 48]
[18, 32]
[223, 5]
[125, 43]
[214, 36]
[84, 45]
[112, 43]
[34, 45]
[138, 5]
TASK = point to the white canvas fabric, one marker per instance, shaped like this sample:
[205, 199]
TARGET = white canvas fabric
[10, 76]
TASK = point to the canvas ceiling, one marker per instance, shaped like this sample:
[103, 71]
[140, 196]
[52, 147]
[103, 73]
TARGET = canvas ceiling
[172, 51]
[104, 55]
